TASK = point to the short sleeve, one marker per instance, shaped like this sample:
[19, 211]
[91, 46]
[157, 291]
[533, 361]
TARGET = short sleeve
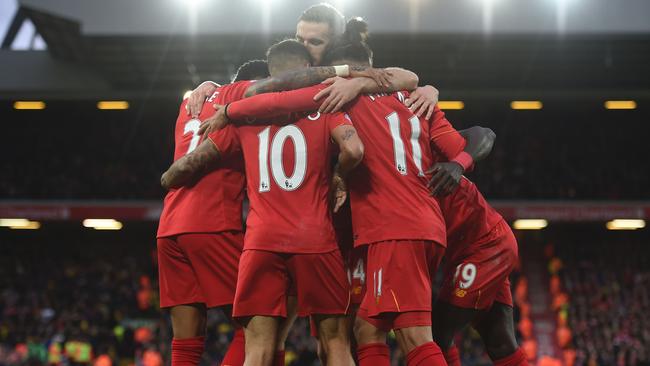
[226, 141]
[335, 120]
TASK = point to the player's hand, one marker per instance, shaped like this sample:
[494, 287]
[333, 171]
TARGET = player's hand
[214, 123]
[339, 192]
[423, 99]
[197, 98]
[381, 76]
[339, 93]
[445, 179]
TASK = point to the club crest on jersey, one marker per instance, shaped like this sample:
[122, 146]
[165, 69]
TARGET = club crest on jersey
[314, 116]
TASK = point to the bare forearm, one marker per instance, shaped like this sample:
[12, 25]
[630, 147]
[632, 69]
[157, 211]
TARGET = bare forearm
[292, 80]
[480, 141]
[191, 167]
[177, 175]
[401, 80]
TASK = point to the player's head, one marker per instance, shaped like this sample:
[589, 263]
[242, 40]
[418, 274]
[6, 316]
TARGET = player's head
[287, 55]
[318, 27]
[351, 48]
[252, 70]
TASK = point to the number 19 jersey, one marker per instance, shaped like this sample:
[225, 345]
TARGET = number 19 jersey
[388, 192]
[214, 203]
[288, 174]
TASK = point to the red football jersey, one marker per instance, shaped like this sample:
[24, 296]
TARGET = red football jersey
[214, 203]
[388, 192]
[389, 195]
[467, 214]
[288, 173]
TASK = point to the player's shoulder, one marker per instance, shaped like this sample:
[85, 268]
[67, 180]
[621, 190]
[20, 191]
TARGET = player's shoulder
[231, 92]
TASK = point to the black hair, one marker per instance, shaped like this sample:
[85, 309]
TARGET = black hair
[356, 31]
[252, 70]
[351, 45]
[325, 13]
[286, 49]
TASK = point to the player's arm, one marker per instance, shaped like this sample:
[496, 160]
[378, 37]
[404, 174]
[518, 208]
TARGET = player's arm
[341, 91]
[350, 155]
[192, 166]
[297, 79]
[260, 108]
[460, 151]
[480, 141]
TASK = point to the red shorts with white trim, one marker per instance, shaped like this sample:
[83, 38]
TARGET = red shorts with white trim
[265, 278]
[399, 277]
[199, 268]
[478, 276]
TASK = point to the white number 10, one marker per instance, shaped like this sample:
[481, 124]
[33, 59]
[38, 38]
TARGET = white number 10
[277, 169]
[398, 144]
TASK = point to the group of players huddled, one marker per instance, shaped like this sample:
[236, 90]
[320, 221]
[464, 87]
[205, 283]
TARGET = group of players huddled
[300, 133]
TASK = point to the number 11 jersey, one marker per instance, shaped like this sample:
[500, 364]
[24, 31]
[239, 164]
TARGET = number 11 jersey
[288, 174]
[388, 191]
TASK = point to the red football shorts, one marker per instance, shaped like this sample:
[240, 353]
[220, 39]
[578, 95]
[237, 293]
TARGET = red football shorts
[265, 278]
[199, 268]
[357, 274]
[477, 276]
[399, 279]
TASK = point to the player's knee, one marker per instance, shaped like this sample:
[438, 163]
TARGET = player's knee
[333, 328]
[413, 337]
[188, 321]
[443, 338]
[366, 333]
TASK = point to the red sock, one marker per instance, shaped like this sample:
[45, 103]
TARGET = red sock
[187, 351]
[516, 359]
[452, 356]
[425, 355]
[373, 354]
[279, 358]
[235, 354]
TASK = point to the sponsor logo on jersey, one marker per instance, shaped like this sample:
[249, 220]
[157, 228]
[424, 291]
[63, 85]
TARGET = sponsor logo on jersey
[460, 293]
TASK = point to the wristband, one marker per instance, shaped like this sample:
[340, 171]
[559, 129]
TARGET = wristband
[464, 159]
[225, 112]
[342, 70]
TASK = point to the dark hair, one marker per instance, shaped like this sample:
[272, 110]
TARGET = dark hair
[252, 70]
[285, 49]
[351, 45]
[325, 13]
[356, 31]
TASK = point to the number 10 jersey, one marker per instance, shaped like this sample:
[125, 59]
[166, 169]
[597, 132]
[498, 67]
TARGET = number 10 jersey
[288, 173]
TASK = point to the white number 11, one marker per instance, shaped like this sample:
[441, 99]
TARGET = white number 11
[398, 144]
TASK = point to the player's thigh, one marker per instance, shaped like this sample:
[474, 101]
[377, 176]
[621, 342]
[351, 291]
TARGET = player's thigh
[215, 260]
[496, 327]
[262, 285]
[370, 330]
[398, 278]
[447, 320]
[177, 280]
[321, 282]
[188, 320]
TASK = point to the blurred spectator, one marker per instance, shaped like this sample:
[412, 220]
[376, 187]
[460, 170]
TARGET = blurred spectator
[609, 302]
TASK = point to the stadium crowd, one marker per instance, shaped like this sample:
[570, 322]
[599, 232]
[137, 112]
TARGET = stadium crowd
[608, 303]
[97, 303]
